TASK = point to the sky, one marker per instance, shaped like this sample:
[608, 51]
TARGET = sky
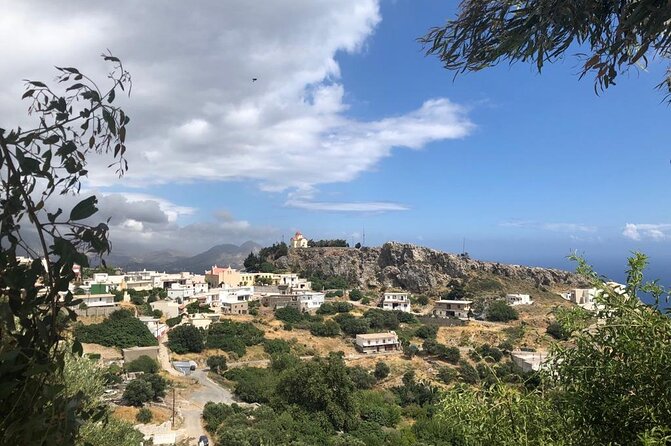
[351, 129]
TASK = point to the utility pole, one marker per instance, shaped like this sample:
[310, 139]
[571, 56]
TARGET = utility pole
[173, 408]
[363, 236]
[463, 246]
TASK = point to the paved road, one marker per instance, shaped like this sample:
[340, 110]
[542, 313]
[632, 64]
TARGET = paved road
[192, 409]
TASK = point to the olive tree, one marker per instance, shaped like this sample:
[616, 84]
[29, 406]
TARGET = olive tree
[72, 121]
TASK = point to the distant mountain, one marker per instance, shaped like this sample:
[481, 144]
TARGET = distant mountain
[173, 261]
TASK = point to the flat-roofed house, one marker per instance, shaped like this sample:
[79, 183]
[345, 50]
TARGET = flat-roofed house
[452, 308]
[241, 307]
[396, 301]
[377, 342]
[518, 299]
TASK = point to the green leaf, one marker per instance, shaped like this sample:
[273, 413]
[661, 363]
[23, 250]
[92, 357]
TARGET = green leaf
[84, 208]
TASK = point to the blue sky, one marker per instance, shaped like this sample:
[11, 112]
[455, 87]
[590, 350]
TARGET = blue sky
[529, 168]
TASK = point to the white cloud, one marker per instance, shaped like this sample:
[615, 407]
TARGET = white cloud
[362, 206]
[641, 231]
[195, 112]
[552, 227]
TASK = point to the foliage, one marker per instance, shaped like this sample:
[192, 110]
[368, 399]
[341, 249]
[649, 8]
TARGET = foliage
[143, 364]
[382, 370]
[195, 307]
[381, 319]
[427, 332]
[468, 373]
[500, 311]
[379, 407]
[158, 385]
[486, 352]
[326, 329]
[457, 291]
[355, 295]
[336, 243]
[557, 331]
[263, 281]
[253, 385]
[121, 329]
[144, 415]
[110, 432]
[447, 375]
[138, 392]
[449, 354]
[334, 307]
[273, 346]
[361, 378]
[174, 320]
[415, 392]
[291, 315]
[322, 385]
[185, 339]
[613, 36]
[422, 299]
[217, 364]
[352, 325]
[262, 262]
[410, 350]
[233, 336]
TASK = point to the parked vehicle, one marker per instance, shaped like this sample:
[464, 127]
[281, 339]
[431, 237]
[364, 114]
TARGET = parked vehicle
[203, 441]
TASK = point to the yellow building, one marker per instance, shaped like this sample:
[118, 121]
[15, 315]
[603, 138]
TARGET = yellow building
[298, 241]
[229, 276]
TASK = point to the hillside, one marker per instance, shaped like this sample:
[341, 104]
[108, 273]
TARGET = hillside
[414, 268]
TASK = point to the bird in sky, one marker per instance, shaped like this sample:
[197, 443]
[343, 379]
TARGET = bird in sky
[254, 79]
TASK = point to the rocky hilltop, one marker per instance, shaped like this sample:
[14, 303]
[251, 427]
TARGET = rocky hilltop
[414, 268]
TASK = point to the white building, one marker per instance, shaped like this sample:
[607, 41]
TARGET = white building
[518, 299]
[377, 342]
[452, 308]
[529, 361]
[169, 308]
[97, 300]
[298, 241]
[310, 300]
[154, 325]
[396, 301]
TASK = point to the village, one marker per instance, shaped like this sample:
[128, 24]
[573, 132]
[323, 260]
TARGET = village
[284, 308]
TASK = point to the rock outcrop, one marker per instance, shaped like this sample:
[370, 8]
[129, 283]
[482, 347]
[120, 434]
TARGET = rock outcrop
[413, 268]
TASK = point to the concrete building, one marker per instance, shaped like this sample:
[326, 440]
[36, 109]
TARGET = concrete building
[529, 361]
[217, 276]
[202, 320]
[154, 325]
[518, 299]
[235, 307]
[169, 309]
[377, 342]
[298, 241]
[302, 300]
[396, 301]
[452, 308]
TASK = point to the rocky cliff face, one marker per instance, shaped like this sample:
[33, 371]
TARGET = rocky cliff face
[413, 268]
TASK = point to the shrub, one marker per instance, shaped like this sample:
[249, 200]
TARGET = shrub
[342, 307]
[158, 385]
[144, 415]
[355, 295]
[422, 300]
[447, 374]
[157, 314]
[352, 325]
[381, 319]
[174, 321]
[143, 364]
[451, 355]
[410, 350]
[365, 300]
[468, 373]
[325, 329]
[185, 339]
[137, 300]
[289, 314]
[486, 352]
[427, 332]
[121, 329]
[217, 364]
[557, 331]
[381, 370]
[196, 307]
[272, 346]
[253, 385]
[499, 311]
[233, 336]
[361, 378]
[326, 308]
[379, 407]
[138, 392]
[506, 346]
[405, 317]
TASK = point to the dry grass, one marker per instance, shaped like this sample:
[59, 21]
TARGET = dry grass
[106, 353]
[159, 414]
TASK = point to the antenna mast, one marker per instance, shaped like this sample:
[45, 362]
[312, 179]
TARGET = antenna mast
[363, 236]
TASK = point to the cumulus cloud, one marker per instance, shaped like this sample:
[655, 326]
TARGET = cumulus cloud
[339, 206]
[197, 115]
[647, 231]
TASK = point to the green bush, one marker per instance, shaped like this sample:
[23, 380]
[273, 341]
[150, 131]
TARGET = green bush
[185, 339]
[486, 352]
[290, 315]
[361, 378]
[352, 325]
[406, 318]
[381, 319]
[121, 329]
[427, 332]
[158, 314]
[253, 385]
[422, 300]
[138, 392]
[447, 374]
[173, 321]
[144, 416]
[158, 385]
[217, 364]
[379, 407]
[557, 331]
[382, 370]
[326, 308]
[365, 300]
[233, 336]
[468, 373]
[273, 346]
[500, 311]
[143, 364]
[355, 295]
[325, 329]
